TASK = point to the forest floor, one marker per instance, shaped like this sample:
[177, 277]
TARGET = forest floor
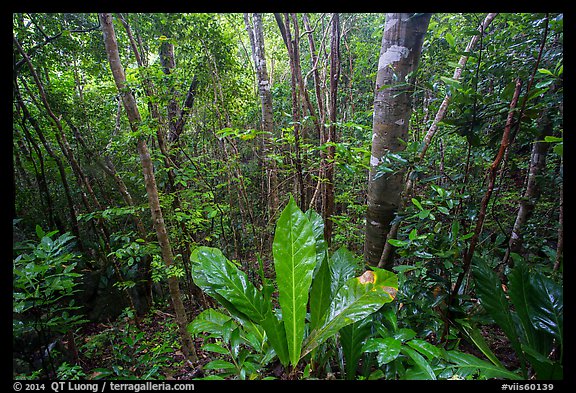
[174, 365]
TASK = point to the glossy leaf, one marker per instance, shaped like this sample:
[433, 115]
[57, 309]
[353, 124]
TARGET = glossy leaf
[423, 366]
[276, 334]
[493, 299]
[208, 321]
[544, 367]
[320, 293]
[425, 348]
[294, 250]
[474, 334]
[352, 338]
[546, 305]
[356, 299]
[487, 370]
[343, 266]
[318, 230]
[521, 292]
[219, 365]
[388, 349]
[220, 278]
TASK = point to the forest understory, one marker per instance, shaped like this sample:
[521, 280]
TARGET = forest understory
[288, 196]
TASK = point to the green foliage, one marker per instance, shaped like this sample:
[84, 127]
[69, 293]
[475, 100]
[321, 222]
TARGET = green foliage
[531, 315]
[240, 341]
[132, 354]
[400, 354]
[44, 282]
[295, 252]
[218, 172]
[70, 372]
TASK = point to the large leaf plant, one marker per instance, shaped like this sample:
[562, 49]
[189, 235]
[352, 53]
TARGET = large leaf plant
[314, 294]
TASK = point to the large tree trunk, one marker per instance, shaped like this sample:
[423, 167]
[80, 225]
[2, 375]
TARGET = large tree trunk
[399, 57]
[386, 260]
[149, 180]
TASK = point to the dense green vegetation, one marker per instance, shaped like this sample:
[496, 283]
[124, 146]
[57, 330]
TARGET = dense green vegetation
[257, 225]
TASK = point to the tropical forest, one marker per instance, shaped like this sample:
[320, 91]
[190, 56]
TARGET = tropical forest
[287, 196]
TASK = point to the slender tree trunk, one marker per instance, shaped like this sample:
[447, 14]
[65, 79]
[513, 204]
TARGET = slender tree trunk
[256, 34]
[44, 191]
[399, 57]
[492, 173]
[319, 102]
[293, 55]
[328, 182]
[457, 73]
[560, 244]
[61, 170]
[532, 192]
[149, 180]
[170, 160]
[83, 182]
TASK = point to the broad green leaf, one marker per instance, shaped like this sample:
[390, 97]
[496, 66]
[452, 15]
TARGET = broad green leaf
[356, 299]
[232, 289]
[487, 370]
[397, 243]
[416, 203]
[318, 230]
[294, 250]
[474, 334]
[276, 335]
[39, 232]
[208, 321]
[219, 365]
[320, 293]
[220, 278]
[404, 334]
[450, 39]
[421, 363]
[546, 305]
[343, 266]
[388, 349]
[545, 71]
[352, 338]
[544, 367]
[550, 138]
[493, 299]
[451, 82]
[212, 347]
[425, 348]
[519, 290]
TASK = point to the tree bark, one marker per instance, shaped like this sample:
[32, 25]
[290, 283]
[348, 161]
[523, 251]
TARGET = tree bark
[399, 57]
[386, 260]
[532, 192]
[149, 179]
[321, 121]
[255, 32]
[328, 164]
[293, 55]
